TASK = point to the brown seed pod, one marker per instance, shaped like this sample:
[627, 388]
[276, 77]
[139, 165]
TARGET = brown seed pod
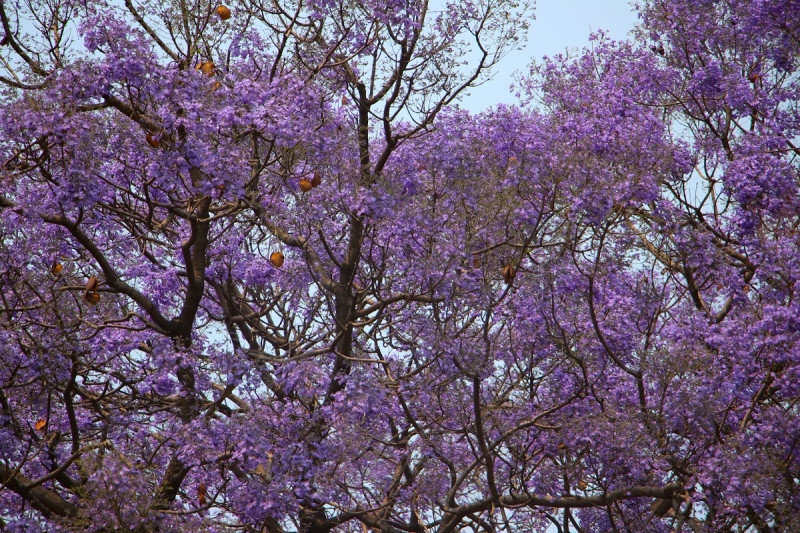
[56, 268]
[316, 180]
[152, 140]
[509, 274]
[276, 258]
[223, 12]
[305, 185]
[90, 294]
[206, 67]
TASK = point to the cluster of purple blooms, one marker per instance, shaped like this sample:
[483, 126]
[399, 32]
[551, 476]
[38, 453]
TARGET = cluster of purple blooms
[261, 273]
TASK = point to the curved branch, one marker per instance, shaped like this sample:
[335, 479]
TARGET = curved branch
[561, 502]
[35, 67]
[113, 280]
[46, 501]
[150, 31]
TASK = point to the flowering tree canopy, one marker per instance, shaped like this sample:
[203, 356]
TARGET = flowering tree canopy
[258, 271]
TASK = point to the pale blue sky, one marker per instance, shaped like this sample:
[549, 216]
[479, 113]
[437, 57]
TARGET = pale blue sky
[559, 24]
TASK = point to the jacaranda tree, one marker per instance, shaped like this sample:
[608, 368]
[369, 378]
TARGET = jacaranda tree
[258, 271]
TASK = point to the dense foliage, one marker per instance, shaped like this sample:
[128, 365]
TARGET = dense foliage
[258, 271]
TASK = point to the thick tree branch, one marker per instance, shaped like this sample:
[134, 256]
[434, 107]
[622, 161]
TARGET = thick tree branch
[46, 501]
[561, 502]
[112, 278]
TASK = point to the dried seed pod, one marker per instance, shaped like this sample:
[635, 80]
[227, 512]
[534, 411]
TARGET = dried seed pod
[206, 67]
[223, 12]
[201, 493]
[316, 180]
[305, 185]
[152, 140]
[276, 258]
[90, 294]
[509, 274]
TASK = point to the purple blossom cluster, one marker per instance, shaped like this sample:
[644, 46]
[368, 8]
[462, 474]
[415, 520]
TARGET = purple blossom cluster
[260, 273]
